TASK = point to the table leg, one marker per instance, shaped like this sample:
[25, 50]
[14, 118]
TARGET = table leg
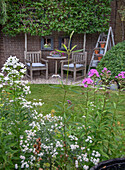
[56, 75]
[55, 66]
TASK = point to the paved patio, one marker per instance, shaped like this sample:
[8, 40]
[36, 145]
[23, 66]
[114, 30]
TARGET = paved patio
[53, 80]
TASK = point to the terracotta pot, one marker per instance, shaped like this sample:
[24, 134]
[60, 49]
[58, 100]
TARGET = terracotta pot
[99, 58]
[102, 43]
[96, 51]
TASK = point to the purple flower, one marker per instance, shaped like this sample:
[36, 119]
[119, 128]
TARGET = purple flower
[116, 77]
[87, 81]
[93, 72]
[69, 102]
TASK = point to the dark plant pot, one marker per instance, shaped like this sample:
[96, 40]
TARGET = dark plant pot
[112, 164]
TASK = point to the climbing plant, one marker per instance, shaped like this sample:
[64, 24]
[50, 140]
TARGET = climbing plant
[3, 14]
[41, 17]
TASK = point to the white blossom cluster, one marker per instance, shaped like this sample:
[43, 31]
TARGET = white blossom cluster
[49, 127]
[12, 74]
[12, 63]
[47, 147]
[89, 139]
[56, 147]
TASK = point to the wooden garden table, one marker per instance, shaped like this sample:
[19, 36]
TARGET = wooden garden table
[56, 59]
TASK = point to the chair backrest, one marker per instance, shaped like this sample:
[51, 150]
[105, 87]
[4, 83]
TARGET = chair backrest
[34, 56]
[79, 57]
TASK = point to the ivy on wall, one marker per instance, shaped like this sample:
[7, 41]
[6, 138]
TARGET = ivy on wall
[41, 17]
[3, 14]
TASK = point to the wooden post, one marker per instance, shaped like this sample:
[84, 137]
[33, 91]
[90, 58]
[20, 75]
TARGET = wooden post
[84, 43]
[25, 42]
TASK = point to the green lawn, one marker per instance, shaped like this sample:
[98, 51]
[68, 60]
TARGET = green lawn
[52, 96]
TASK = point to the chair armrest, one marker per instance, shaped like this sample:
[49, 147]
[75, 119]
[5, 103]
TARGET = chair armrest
[46, 61]
[65, 61]
[28, 61]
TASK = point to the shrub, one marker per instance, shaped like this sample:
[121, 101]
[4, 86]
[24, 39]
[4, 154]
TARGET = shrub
[114, 60]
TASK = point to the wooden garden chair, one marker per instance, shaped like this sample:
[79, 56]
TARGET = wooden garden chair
[34, 62]
[76, 63]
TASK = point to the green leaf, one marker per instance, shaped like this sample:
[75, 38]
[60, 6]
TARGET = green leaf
[74, 47]
[77, 51]
[61, 51]
[64, 46]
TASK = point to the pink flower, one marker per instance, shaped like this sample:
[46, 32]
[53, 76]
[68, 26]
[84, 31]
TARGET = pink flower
[122, 74]
[93, 72]
[104, 69]
[87, 81]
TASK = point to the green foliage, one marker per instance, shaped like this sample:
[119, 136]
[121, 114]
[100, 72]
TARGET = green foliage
[68, 141]
[30, 140]
[122, 13]
[114, 60]
[43, 17]
[14, 116]
[3, 13]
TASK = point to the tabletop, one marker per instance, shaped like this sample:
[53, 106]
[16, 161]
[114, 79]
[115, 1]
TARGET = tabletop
[56, 58]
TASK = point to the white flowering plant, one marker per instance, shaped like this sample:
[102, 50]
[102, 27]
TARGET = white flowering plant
[31, 140]
[15, 111]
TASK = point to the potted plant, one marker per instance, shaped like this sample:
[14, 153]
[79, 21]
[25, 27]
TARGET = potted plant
[55, 53]
[102, 43]
[96, 50]
[100, 56]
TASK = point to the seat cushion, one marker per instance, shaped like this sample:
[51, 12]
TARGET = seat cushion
[72, 65]
[36, 64]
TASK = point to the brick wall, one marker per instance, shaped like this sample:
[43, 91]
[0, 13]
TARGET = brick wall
[115, 20]
[16, 45]
[1, 48]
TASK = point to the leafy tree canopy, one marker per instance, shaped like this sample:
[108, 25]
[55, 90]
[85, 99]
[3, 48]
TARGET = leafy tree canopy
[41, 17]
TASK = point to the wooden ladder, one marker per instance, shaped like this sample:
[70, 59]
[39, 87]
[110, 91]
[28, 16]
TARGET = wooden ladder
[104, 43]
